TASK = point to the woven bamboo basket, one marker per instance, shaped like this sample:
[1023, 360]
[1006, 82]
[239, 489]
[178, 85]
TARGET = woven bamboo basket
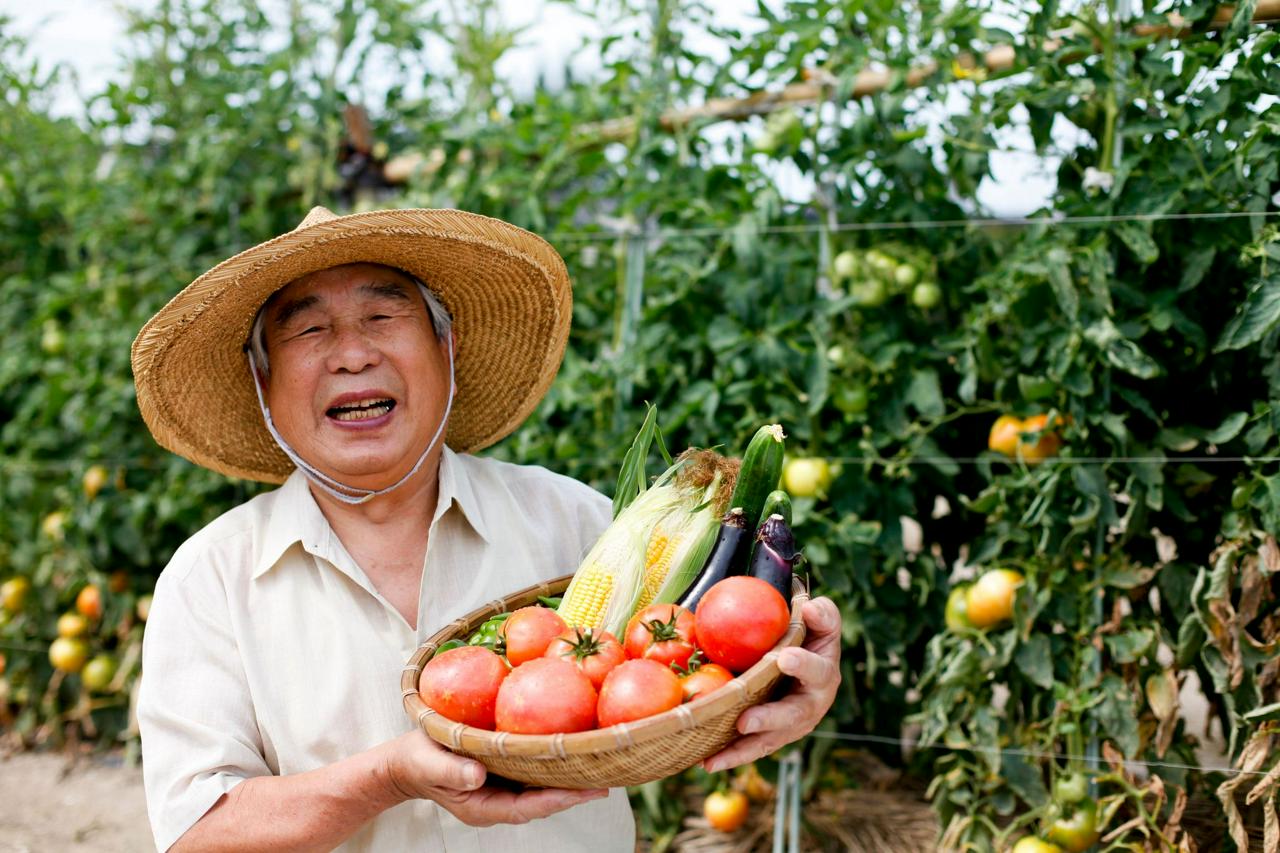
[625, 754]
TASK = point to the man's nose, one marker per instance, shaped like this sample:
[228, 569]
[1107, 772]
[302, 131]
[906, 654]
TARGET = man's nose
[353, 350]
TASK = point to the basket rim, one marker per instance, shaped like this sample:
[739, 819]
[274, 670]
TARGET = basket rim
[477, 741]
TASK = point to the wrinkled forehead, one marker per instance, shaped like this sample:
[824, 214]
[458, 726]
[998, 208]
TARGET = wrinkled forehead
[371, 280]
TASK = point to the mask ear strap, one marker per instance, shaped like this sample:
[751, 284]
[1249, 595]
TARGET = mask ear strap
[328, 484]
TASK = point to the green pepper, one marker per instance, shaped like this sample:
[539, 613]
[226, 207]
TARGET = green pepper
[446, 646]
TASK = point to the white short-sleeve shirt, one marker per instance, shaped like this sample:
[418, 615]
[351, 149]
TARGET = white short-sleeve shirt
[268, 651]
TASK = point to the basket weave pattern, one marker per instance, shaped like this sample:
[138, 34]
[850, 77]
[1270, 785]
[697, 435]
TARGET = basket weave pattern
[625, 754]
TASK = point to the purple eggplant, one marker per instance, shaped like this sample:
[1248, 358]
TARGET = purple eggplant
[726, 558]
[775, 555]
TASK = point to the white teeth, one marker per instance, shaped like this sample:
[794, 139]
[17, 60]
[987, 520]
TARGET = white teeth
[363, 414]
[362, 410]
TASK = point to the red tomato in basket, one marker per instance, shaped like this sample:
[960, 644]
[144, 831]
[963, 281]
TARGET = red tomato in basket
[662, 632]
[545, 696]
[636, 689]
[705, 679]
[739, 619]
[529, 631]
[593, 652]
[462, 684]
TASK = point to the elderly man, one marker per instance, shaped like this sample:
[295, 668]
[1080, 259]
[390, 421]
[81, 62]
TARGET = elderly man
[360, 360]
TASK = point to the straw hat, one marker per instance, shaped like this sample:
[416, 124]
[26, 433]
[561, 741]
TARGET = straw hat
[507, 290]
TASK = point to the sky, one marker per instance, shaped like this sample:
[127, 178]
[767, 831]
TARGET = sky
[84, 35]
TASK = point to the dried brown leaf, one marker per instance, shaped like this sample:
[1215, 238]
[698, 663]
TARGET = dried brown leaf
[1266, 787]
[1269, 553]
[1253, 587]
[1270, 827]
[1252, 757]
[1114, 758]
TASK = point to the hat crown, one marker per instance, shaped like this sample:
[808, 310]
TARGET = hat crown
[317, 215]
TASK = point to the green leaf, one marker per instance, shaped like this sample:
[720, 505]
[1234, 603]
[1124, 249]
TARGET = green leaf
[1025, 779]
[1138, 238]
[1256, 317]
[925, 393]
[1194, 266]
[1064, 290]
[1191, 637]
[1263, 714]
[1130, 646]
[1228, 429]
[1129, 357]
[1117, 715]
[1035, 660]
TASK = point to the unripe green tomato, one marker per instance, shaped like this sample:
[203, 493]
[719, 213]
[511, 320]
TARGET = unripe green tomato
[880, 262]
[870, 294]
[956, 614]
[97, 673]
[836, 355]
[926, 295]
[1071, 788]
[806, 477]
[852, 399]
[1240, 496]
[52, 340]
[845, 265]
[905, 275]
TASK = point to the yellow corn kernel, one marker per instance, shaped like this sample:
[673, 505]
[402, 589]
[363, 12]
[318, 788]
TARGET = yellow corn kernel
[585, 603]
[657, 563]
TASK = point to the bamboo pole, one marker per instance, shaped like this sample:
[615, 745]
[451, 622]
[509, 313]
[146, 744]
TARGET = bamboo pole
[817, 86]
[869, 81]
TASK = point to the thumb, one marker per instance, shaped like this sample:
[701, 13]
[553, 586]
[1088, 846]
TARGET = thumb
[441, 768]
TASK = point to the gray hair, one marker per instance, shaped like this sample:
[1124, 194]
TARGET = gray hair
[441, 323]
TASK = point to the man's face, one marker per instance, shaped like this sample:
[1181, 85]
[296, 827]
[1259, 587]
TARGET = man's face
[358, 379]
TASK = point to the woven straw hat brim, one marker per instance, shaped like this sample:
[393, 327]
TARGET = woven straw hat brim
[507, 290]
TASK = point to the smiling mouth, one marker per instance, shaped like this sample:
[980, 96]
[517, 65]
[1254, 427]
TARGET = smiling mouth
[362, 410]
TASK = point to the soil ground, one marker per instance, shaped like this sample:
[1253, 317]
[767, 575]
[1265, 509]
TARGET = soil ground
[48, 803]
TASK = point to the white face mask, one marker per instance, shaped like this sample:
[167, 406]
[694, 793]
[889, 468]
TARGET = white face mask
[348, 494]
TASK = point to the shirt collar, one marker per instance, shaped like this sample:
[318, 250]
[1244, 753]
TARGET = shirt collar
[295, 517]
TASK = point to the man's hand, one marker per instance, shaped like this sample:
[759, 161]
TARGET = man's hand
[419, 768]
[816, 669]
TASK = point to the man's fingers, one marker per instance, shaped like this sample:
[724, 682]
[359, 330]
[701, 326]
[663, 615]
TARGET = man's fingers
[813, 671]
[488, 806]
[539, 803]
[822, 621]
[742, 751]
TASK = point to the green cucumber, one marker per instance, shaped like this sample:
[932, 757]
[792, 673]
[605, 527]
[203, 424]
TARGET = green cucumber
[758, 476]
[777, 503]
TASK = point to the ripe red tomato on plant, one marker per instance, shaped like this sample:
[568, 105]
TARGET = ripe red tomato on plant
[593, 652]
[462, 684]
[726, 810]
[527, 633]
[636, 689]
[662, 632]
[739, 619]
[546, 696]
[705, 679]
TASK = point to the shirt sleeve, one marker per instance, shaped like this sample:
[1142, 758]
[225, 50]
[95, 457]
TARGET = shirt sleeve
[200, 735]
